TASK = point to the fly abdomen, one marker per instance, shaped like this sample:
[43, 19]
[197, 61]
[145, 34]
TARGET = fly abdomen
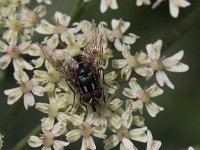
[87, 83]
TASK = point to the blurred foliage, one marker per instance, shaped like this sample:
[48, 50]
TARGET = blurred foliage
[178, 126]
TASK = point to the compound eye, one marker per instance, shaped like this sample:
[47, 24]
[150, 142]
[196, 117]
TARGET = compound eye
[86, 97]
[97, 94]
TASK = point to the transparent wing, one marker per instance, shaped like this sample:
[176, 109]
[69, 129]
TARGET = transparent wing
[95, 47]
[64, 64]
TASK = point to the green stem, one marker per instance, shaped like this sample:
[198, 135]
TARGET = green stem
[23, 142]
[10, 118]
[77, 10]
[183, 26]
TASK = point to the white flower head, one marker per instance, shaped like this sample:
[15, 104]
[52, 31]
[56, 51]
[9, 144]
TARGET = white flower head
[160, 64]
[119, 27]
[108, 3]
[144, 96]
[124, 135]
[61, 23]
[138, 62]
[27, 89]
[48, 138]
[12, 53]
[85, 129]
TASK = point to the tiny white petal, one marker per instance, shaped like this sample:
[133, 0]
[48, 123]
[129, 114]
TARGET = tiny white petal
[62, 18]
[126, 73]
[127, 145]
[58, 145]
[103, 6]
[162, 79]
[13, 95]
[73, 135]
[111, 142]
[47, 124]
[115, 120]
[153, 109]
[152, 144]
[119, 63]
[139, 134]
[53, 41]
[38, 90]
[154, 90]
[28, 100]
[88, 143]
[129, 93]
[114, 4]
[58, 129]
[45, 28]
[34, 141]
[21, 76]
[154, 50]
[5, 61]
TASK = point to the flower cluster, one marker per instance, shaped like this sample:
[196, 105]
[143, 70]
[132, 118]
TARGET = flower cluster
[174, 5]
[118, 121]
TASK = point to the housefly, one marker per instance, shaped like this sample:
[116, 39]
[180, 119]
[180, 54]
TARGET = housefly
[82, 71]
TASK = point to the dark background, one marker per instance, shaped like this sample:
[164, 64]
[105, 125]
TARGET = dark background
[178, 126]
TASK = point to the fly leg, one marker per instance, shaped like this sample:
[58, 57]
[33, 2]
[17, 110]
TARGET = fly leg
[86, 110]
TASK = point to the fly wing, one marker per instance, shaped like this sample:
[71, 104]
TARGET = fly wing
[95, 47]
[64, 64]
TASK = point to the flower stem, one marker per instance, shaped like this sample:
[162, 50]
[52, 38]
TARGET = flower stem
[183, 26]
[22, 144]
[11, 116]
[77, 10]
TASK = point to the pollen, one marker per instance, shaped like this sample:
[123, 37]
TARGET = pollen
[13, 51]
[26, 86]
[47, 139]
[85, 129]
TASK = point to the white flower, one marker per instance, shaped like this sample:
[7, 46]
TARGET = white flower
[108, 3]
[158, 64]
[17, 29]
[138, 62]
[144, 96]
[12, 53]
[61, 23]
[119, 27]
[85, 129]
[174, 6]
[1, 141]
[57, 102]
[152, 144]
[49, 78]
[48, 138]
[125, 135]
[27, 87]
[141, 2]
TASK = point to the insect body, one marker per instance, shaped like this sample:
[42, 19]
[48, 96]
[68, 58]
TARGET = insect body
[82, 71]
